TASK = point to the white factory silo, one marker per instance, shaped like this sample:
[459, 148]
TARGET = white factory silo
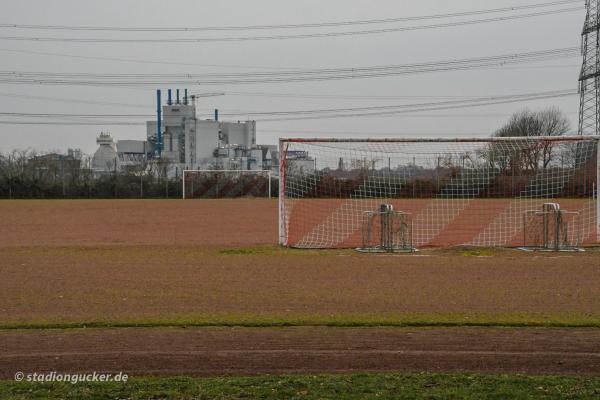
[105, 158]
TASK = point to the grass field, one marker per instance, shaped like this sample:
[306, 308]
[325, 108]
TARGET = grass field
[357, 386]
[205, 265]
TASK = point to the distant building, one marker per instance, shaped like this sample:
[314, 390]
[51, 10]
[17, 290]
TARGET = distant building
[188, 143]
[111, 156]
[55, 164]
[300, 161]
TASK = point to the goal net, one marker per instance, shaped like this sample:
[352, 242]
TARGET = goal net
[450, 191]
[216, 184]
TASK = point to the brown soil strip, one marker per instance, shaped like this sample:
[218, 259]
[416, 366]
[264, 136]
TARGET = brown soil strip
[242, 351]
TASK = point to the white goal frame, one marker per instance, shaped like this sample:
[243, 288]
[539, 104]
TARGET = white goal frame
[329, 148]
[266, 173]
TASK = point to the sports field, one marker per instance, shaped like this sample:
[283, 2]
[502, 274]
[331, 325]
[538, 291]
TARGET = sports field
[200, 288]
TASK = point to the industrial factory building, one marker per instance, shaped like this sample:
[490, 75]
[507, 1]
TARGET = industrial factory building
[187, 143]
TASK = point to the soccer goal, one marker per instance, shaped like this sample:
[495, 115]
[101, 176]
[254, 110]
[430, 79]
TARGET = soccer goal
[441, 192]
[217, 184]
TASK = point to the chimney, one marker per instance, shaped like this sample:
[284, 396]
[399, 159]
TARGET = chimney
[158, 122]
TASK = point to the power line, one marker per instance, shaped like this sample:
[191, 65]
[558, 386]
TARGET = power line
[183, 63]
[250, 112]
[503, 59]
[340, 112]
[153, 80]
[427, 107]
[292, 36]
[557, 93]
[138, 61]
[349, 96]
[366, 133]
[72, 100]
[286, 26]
[62, 123]
[71, 115]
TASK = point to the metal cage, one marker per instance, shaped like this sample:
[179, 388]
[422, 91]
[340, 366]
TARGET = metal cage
[386, 231]
[551, 229]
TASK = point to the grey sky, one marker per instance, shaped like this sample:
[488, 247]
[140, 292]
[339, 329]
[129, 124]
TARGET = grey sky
[539, 33]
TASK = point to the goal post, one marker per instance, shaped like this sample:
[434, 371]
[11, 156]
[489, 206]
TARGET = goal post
[449, 191]
[219, 183]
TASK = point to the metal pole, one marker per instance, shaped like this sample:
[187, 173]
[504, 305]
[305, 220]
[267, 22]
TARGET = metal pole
[9, 177]
[546, 240]
[116, 178]
[192, 183]
[437, 174]
[525, 230]
[183, 177]
[62, 174]
[269, 176]
[557, 230]
[281, 208]
[158, 124]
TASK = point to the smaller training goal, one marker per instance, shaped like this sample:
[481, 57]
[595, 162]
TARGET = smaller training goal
[386, 231]
[219, 184]
[551, 229]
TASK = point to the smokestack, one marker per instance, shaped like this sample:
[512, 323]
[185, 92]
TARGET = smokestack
[177, 96]
[216, 114]
[158, 122]
[185, 97]
[169, 99]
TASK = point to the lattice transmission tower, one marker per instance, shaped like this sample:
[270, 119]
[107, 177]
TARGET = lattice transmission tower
[589, 80]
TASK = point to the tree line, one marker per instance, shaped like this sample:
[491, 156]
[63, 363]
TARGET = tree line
[28, 174]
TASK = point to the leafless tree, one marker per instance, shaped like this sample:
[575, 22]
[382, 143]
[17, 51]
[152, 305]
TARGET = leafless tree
[534, 155]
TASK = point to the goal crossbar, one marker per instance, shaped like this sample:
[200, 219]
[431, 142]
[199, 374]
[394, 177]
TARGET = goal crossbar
[444, 140]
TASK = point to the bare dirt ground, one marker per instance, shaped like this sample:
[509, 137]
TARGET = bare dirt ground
[225, 223]
[129, 283]
[244, 351]
[161, 261]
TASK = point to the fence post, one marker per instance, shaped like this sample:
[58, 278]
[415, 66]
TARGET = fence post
[269, 177]
[9, 177]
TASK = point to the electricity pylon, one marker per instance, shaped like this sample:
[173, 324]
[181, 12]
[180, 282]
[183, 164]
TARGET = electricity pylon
[589, 80]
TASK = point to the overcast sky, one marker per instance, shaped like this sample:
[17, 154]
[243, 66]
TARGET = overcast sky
[481, 40]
